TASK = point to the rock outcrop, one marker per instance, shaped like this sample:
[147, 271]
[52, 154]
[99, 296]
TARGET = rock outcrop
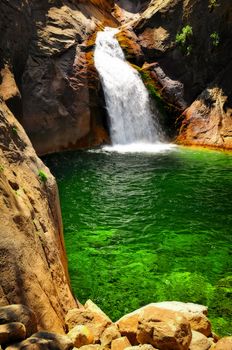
[32, 257]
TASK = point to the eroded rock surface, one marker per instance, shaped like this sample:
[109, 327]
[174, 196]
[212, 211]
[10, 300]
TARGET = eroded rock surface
[32, 258]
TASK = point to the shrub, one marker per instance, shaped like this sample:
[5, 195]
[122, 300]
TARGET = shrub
[215, 39]
[184, 35]
[42, 176]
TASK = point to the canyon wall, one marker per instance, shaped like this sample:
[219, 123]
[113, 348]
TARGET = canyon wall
[33, 262]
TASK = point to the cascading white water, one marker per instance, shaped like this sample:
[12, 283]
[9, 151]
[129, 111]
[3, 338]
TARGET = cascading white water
[127, 99]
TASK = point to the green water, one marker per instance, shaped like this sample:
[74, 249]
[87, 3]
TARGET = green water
[142, 228]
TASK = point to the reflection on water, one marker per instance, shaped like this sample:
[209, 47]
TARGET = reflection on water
[146, 227]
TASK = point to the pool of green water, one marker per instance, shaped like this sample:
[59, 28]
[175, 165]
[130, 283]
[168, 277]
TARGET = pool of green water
[142, 228]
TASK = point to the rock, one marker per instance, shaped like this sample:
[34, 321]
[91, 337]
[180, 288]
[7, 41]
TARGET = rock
[33, 261]
[34, 344]
[194, 313]
[91, 316]
[128, 326]
[109, 334]
[120, 344]
[199, 342]
[17, 315]
[141, 347]
[164, 329]
[12, 332]
[62, 342]
[80, 336]
[208, 122]
[91, 347]
[224, 344]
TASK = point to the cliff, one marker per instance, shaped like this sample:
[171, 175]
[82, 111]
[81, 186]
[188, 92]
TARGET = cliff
[32, 256]
[57, 95]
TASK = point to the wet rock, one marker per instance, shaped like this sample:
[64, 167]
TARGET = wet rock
[91, 316]
[224, 344]
[80, 336]
[109, 334]
[12, 332]
[194, 313]
[120, 344]
[19, 314]
[199, 342]
[164, 329]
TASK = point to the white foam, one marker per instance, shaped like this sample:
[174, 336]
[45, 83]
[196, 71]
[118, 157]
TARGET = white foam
[141, 148]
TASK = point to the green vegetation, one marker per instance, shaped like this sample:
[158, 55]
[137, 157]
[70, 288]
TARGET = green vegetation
[215, 39]
[213, 4]
[183, 39]
[15, 130]
[43, 176]
[1, 168]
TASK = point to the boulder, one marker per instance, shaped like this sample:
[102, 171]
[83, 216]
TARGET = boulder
[128, 326]
[34, 344]
[12, 332]
[199, 342]
[80, 336]
[91, 316]
[164, 329]
[61, 342]
[120, 344]
[19, 314]
[196, 314]
[109, 334]
[141, 347]
[224, 344]
[90, 347]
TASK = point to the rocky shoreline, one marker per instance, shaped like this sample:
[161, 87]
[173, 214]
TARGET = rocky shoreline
[159, 326]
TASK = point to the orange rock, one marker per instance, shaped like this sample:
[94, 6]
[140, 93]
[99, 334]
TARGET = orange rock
[81, 335]
[164, 329]
[224, 344]
[120, 344]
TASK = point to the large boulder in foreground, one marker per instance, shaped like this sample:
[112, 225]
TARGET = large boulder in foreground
[224, 344]
[195, 314]
[162, 328]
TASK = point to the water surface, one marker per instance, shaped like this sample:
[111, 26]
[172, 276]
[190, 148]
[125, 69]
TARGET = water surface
[141, 228]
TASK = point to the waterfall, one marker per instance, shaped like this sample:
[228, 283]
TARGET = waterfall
[127, 99]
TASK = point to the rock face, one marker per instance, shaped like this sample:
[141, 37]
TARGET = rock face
[200, 63]
[32, 258]
[46, 96]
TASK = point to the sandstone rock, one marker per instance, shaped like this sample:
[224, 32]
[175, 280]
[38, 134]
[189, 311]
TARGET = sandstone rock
[141, 347]
[109, 334]
[91, 347]
[120, 344]
[199, 342]
[91, 316]
[19, 314]
[80, 336]
[33, 262]
[164, 329]
[224, 344]
[12, 332]
[208, 122]
[62, 342]
[34, 344]
[194, 313]
[128, 326]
